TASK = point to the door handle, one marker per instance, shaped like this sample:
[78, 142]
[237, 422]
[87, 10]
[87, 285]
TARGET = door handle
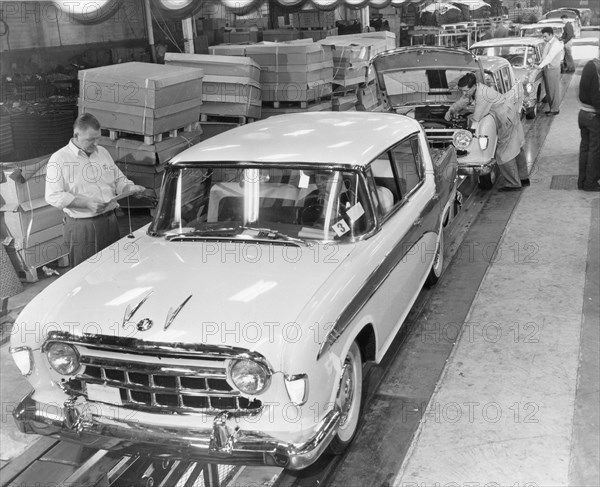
[418, 222]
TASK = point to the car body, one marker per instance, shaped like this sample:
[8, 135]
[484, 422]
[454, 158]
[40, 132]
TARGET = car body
[535, 30]
[283, 254]
[583, 15]
[421, 82]
[575, 22]
[590, 31]
[522, 53]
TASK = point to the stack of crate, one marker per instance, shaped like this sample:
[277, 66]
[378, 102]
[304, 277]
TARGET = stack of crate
[150, 111]
[351, 54]
[293, 75]
[230, 87]
[31, 229]
[314, 24]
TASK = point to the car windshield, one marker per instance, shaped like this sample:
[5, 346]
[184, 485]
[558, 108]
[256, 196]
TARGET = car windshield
[517, 55]
[537, 31]
[273, 203]
[423, 85]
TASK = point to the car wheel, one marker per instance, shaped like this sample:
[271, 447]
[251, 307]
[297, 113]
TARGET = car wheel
[488, 180]
[438, 263]
[349, 400]
[531, 112]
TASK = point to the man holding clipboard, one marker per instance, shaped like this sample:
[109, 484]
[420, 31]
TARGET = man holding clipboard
[85, 183]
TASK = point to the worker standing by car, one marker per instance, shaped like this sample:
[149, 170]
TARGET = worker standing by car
[567, 39]
[505, 110]
[82, 180]
[550, 63]
[589, 125]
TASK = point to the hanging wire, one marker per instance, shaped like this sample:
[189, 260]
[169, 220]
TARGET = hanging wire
[169, 34]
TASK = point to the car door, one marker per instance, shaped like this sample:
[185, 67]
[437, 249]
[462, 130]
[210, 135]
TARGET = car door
[402, 192]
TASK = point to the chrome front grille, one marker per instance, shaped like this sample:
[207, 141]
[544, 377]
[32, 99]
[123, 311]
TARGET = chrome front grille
[168, 388]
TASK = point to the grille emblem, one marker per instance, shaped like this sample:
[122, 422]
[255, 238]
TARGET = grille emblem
[144, 324]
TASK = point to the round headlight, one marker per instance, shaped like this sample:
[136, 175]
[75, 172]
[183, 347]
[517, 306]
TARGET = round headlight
[63, 358]
[461, 139]
[528, 88]
[249, 376]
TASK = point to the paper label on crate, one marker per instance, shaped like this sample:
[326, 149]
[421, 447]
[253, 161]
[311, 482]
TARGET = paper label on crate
[102, 393]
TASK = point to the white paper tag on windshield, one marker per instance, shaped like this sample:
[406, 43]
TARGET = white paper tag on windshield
[102, 393]
[304, 180]
[355, 212]
[340, 228]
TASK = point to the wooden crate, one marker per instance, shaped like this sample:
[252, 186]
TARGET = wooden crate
[24, 219]
[143, 85]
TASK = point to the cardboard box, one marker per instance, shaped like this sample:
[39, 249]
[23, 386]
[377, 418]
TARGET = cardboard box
[136, 152]
[318, 34]
[136, 84]
[315, 72]
[27, 260]
[24, 181]
[216, 65]
[287, 54]
[144, 121]
[145, 175]
[280, 35]
[29, 217]
[295, 92]
[258, 22]
[316, 19]
[237, 36]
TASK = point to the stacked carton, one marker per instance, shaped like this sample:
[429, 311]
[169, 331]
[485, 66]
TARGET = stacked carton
[31, 229]
[138, 103]
[231, 84]
[141, 98]
[290, 72]
[351, 54]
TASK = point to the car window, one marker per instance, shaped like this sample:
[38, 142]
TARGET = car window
[408, 164]
[386, 184]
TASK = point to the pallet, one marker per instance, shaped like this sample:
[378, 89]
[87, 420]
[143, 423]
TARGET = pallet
[150, 139]
[292, 107]
[296, 105]
[238, 119]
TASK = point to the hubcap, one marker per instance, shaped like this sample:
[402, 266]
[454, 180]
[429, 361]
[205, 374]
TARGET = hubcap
[346, 391]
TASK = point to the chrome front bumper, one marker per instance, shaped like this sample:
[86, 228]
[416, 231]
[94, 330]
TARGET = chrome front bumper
[217, 443]
[468, 169]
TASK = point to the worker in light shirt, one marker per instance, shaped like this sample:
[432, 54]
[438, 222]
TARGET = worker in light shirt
[550, 63]
[82, 180]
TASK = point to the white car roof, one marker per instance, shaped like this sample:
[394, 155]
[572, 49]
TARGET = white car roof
[344, 138]
[509, 41]
[542, 24]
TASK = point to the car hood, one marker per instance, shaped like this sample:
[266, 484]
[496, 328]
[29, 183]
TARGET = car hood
[420, 58]
[240, 294]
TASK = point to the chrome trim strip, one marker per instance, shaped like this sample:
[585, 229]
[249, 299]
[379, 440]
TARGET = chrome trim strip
[154, 369]
[129, 311]
[171, 315]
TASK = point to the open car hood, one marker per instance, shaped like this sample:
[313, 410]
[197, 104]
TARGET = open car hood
[440, 68]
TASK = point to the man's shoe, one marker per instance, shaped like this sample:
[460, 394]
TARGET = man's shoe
[510, 188]
[525, 182]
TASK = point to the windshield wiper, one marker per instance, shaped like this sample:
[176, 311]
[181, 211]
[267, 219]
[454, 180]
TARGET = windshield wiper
[266, 233]
[199, 233]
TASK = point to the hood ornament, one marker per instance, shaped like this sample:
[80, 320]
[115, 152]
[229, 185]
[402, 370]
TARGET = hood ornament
[172, 314]
[144, 324]
[129, 311]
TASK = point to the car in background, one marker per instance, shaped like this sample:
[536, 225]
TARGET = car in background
[535, 30]
[575, 22]
[283, 256]
[421, 82]
[522, 53]
[584, 15]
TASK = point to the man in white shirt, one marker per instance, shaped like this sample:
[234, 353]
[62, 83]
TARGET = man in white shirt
[551, 60]
[81, 180]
